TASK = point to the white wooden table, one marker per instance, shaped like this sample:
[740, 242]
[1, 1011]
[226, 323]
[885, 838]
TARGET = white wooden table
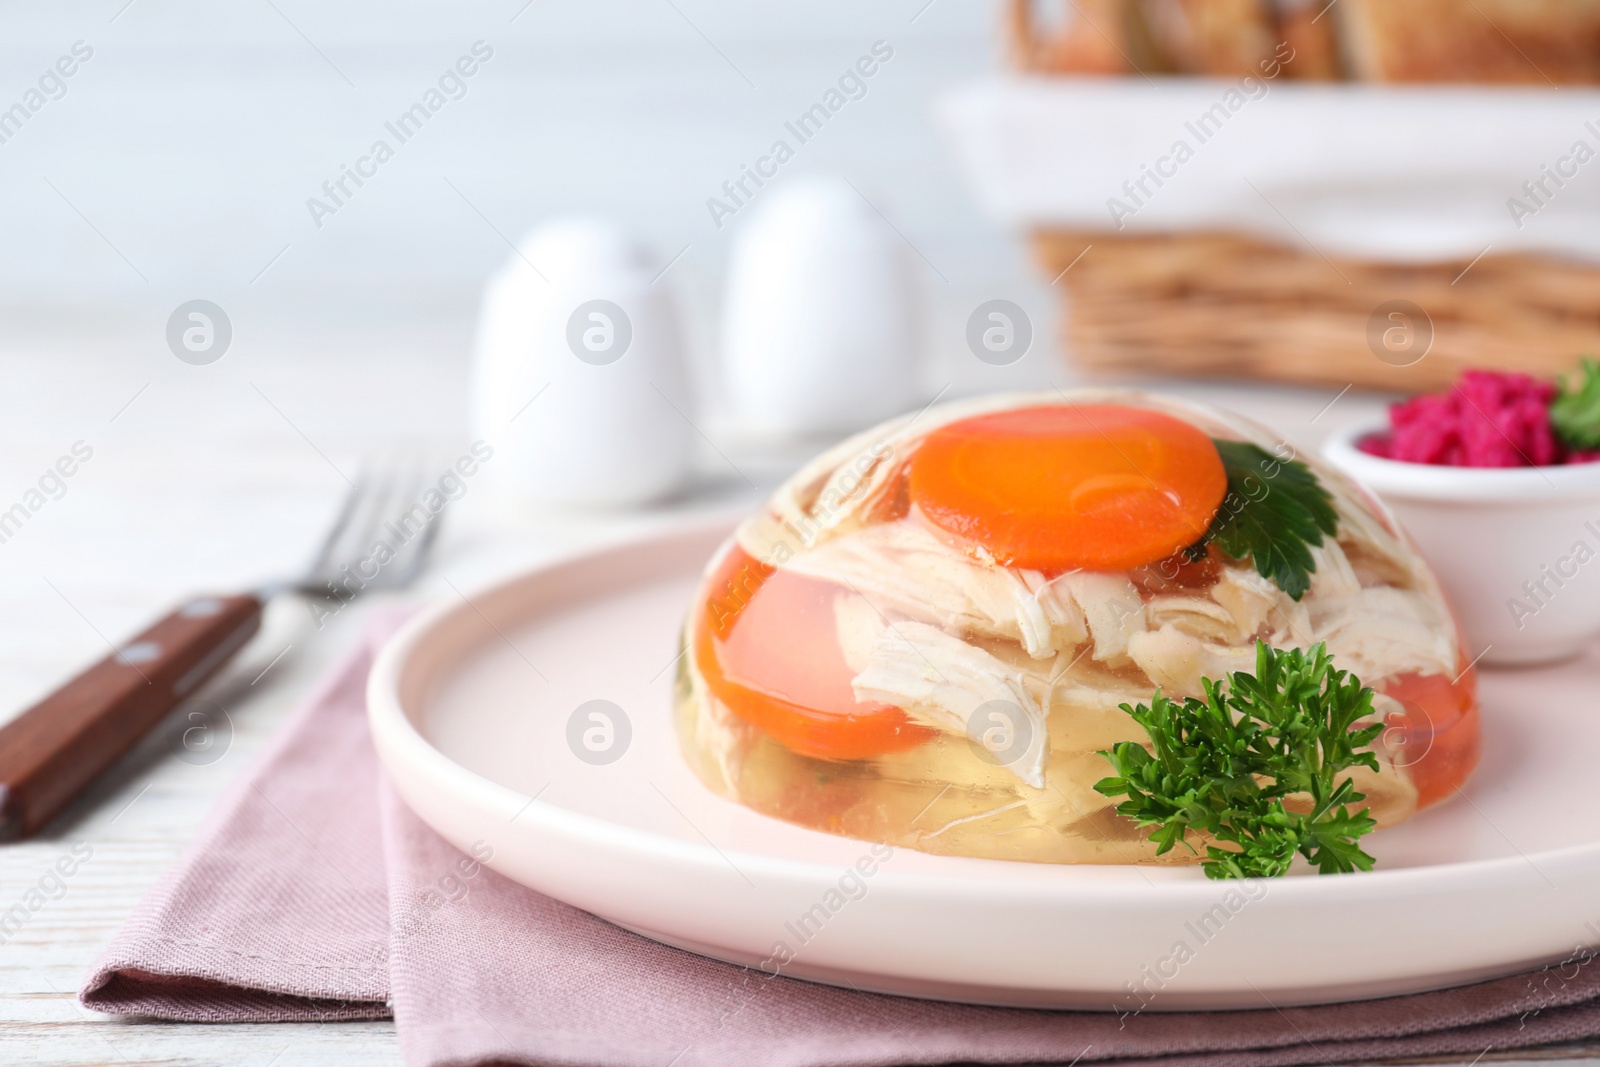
[177, 164]
[202, 484]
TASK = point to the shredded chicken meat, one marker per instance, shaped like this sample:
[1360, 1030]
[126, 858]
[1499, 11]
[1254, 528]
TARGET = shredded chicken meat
[940, 632]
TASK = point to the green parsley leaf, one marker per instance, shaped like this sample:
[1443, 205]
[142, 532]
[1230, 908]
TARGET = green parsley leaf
[1274, 513]
[1575, 413]
[1227, 767]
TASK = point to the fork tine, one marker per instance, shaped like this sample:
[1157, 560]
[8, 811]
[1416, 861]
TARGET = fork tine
[419, 555]
[386, 504]
[354, 533]
[383, 494]
[347, 510]
[412, 556]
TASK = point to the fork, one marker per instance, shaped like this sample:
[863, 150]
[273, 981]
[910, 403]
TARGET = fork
[51, 752]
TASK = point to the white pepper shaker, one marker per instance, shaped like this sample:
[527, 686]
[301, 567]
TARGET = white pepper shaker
[580, 381]
[819, 328]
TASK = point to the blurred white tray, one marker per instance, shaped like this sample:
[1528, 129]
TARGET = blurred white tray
[1380, 172]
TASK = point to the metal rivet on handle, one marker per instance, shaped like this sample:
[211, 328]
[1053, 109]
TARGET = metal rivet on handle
[138, 652]
[203, 608]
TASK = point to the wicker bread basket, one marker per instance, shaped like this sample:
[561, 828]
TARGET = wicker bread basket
[1216, 304]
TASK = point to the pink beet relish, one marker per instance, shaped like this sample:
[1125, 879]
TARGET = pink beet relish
[1487, 419]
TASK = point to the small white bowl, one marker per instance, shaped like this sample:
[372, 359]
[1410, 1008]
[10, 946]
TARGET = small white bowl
[1516, 549]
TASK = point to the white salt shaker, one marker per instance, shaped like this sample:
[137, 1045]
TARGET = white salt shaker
[819, 328]
[580, 382]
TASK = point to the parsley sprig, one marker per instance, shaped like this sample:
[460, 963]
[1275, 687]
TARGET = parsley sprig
[1256, 767]
[1575, 413]
[1274, 513]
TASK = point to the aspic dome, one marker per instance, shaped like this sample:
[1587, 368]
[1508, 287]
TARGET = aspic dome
[927, 635]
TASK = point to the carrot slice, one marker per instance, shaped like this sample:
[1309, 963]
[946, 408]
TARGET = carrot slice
[1097, 487]
[1436, 732]
[766, 643]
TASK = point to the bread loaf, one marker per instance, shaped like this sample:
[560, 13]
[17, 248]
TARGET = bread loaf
[1533, 42]
[1220, 37]
[1308, 28]
[1494, 41]
[1092, 39]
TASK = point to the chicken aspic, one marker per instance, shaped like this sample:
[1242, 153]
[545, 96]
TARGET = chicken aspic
[926, 636]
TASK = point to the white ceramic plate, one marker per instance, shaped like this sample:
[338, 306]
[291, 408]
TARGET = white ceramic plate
[470, 709]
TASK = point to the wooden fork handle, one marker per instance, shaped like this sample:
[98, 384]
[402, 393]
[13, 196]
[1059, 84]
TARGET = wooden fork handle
[52, 751]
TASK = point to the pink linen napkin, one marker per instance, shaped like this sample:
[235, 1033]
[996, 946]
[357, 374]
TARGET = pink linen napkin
[315, 894]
